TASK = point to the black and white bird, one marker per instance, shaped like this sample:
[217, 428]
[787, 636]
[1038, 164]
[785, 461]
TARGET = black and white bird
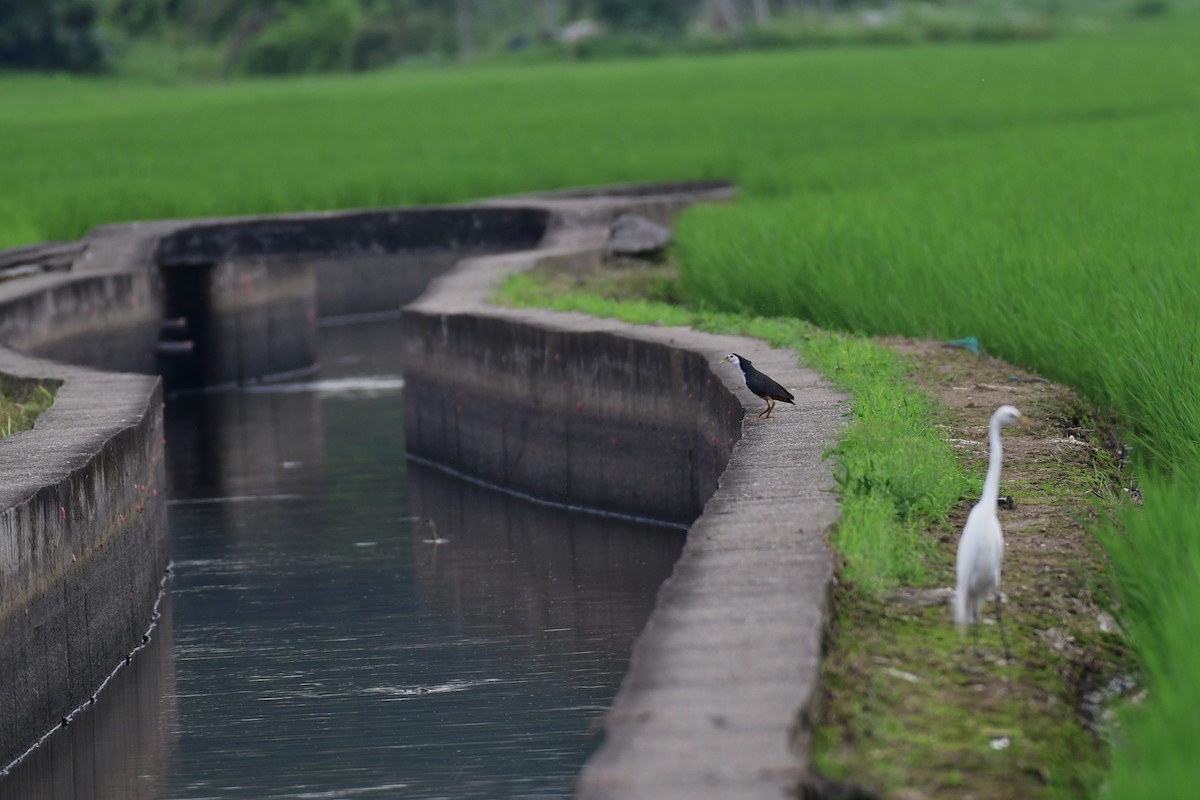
[762, 385]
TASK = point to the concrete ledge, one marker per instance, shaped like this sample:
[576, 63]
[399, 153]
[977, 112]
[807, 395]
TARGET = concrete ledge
[104, 320]
[723, 680]
[562, 413]
[82, 541]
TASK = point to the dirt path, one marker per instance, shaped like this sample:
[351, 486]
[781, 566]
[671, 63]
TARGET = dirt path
[909, 713]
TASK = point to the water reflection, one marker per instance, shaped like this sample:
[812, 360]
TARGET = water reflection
[571, 585]
[347, 624]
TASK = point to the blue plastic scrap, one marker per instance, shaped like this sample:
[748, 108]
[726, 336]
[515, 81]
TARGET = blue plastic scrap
[966, 343]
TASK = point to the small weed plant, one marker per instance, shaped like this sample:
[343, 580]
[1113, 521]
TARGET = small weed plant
[21, 402]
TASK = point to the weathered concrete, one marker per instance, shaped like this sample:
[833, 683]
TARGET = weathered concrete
[562, 413]
[104, 320]
[350, 233]
[81, 527]
[567, 407]
[350, 286]
[720, 692]
[245, 321]
[723, 680]
[237, 300]
[249, 292]
[82, 541]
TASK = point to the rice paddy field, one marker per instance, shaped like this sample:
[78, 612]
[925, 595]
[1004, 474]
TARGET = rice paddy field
[1042, 197]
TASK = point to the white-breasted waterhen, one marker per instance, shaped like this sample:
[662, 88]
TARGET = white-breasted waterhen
[762, 385]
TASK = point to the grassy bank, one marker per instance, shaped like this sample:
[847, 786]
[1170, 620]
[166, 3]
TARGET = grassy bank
[906, 709]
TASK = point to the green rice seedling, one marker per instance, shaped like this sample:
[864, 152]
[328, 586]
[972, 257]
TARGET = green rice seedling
[1156, 558]
[81, 152]
[1063, 241]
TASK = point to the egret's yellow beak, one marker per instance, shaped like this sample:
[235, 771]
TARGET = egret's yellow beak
[1025, 421]
[723, 360]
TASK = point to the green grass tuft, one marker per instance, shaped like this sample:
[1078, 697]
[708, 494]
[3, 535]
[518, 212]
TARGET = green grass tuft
[22, 401]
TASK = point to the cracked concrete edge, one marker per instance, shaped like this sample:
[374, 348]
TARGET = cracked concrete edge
[723, 681]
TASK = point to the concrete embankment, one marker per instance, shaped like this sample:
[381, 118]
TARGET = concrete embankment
[82, 541]
[640, 420]
[566, 408]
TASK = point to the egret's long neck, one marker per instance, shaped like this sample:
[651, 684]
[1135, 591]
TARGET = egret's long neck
[991, 484]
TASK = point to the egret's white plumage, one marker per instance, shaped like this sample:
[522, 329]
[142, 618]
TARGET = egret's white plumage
[981, 548]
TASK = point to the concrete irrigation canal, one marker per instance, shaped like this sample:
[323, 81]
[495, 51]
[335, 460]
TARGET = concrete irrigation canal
[325, 450]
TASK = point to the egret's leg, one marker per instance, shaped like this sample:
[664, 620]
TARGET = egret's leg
[1000, 622]
[770, 407]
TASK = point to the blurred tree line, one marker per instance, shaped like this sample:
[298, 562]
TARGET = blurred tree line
[168, 39]
[296, 36]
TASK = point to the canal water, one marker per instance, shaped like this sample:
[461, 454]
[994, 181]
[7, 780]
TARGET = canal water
[343, 623]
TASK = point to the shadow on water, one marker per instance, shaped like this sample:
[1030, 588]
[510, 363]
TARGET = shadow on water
[343, 623]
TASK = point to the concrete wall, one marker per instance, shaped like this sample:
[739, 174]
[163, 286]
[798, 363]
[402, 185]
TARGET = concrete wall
[349, 286]
[722, 685]
[466, 228]
[583, 418]
[251, 291]
[106, 320]
[82, 542]
[246, 320]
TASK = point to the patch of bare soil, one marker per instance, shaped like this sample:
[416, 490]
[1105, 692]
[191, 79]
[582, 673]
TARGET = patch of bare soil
[913, 713]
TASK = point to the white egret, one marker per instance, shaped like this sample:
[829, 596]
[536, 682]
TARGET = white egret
[981, 548]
